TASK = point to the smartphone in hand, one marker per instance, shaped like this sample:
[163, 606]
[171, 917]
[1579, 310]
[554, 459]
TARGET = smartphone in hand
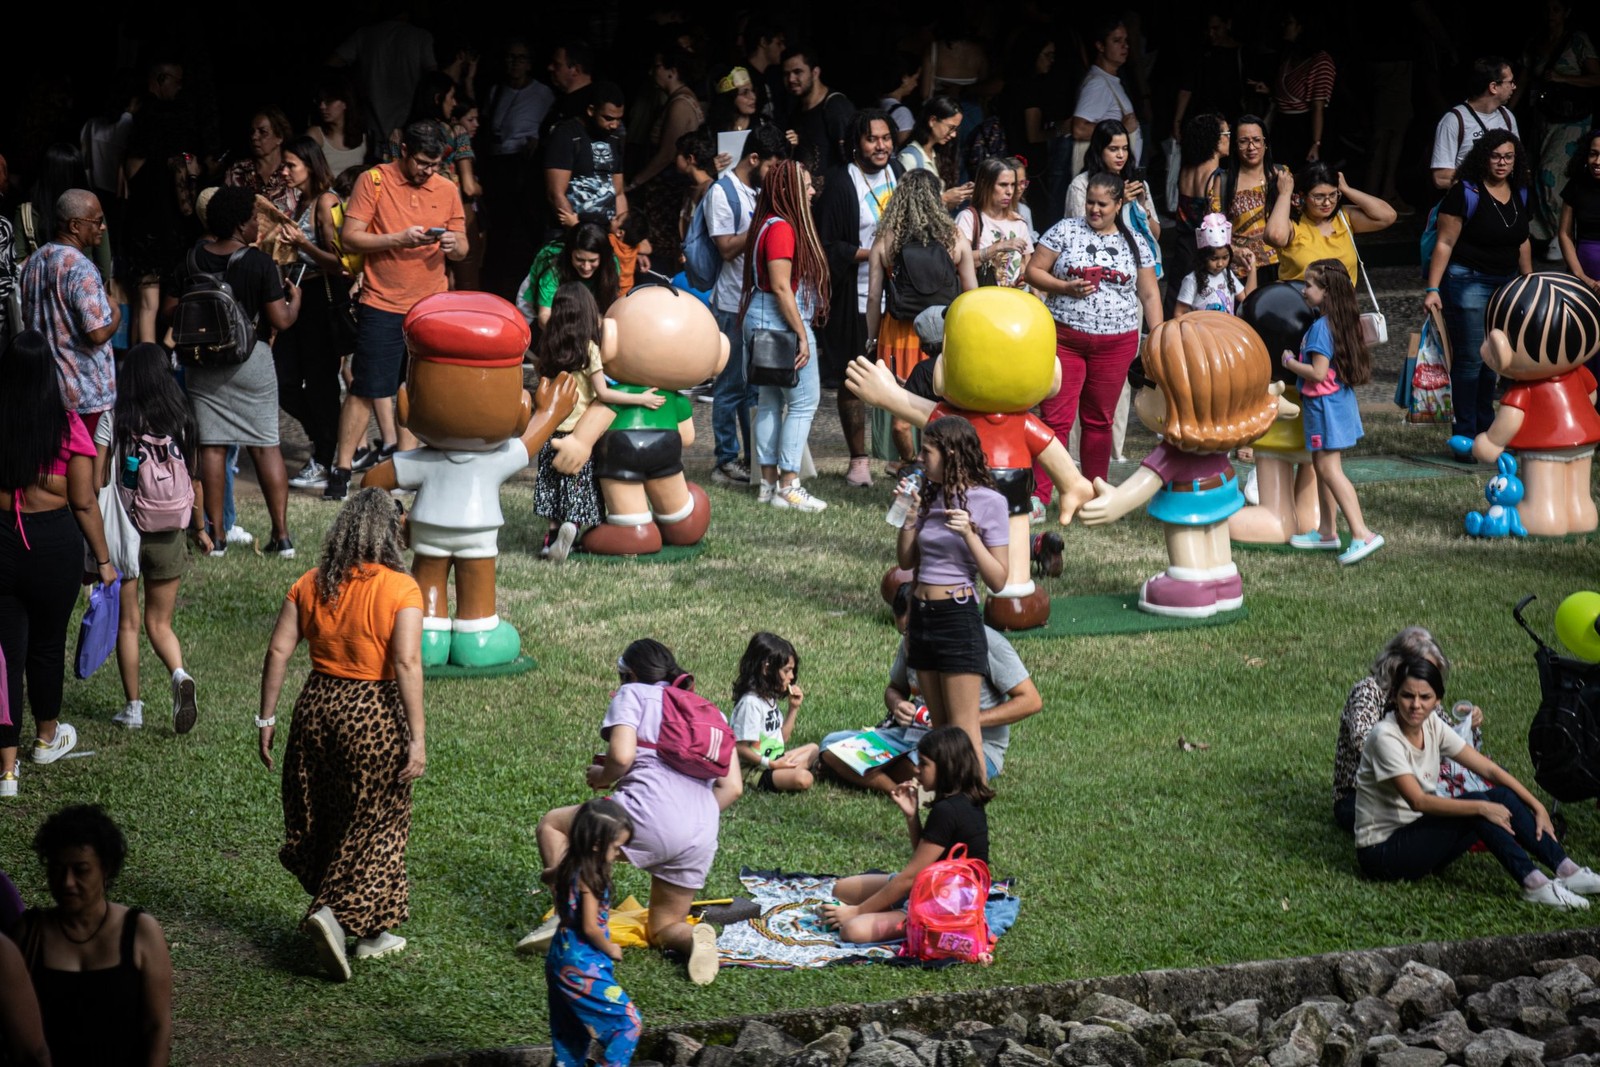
[435, 232]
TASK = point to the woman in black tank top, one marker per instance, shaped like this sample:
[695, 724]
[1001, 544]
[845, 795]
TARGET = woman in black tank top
[89, 951]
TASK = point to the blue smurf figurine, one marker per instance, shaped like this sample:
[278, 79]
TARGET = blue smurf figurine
[1503, 492]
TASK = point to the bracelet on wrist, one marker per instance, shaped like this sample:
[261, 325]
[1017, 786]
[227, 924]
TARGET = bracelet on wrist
[267, 723]
[1430, 289]
[765, 763]
[102, 563]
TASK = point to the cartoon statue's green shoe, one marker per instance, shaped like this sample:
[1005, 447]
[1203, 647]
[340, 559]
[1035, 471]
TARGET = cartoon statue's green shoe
[485, 648]
[435, 647]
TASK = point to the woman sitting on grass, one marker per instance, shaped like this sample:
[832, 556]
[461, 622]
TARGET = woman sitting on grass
[1366, 704]
[872, 907]
[1405, 831]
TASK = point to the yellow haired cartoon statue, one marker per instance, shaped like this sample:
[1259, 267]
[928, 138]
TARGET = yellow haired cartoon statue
[999, 360]
[1206, 387]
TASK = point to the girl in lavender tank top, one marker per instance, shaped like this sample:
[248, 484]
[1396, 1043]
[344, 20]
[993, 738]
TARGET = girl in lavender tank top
[960, 534]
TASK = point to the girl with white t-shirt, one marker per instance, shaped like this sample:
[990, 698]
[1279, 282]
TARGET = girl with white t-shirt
[1213, 285]
[1404, 830]
[999, 235]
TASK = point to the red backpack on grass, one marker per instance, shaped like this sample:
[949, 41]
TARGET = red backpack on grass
[695, 737]
[945, 917]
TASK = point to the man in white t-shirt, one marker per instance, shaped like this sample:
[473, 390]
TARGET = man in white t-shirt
[727, 222]
[1463, 124]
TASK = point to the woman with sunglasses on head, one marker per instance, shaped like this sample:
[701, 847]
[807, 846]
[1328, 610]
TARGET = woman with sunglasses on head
[1331, 214]
[1247, 192]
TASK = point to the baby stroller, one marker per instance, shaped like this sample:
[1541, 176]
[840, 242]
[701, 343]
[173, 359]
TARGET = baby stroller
[1564, 737]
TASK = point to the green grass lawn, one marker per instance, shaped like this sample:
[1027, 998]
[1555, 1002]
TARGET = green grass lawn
[1128, 853]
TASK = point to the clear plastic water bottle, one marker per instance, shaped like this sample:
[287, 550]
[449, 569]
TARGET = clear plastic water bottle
[130, 472]
[910, 481]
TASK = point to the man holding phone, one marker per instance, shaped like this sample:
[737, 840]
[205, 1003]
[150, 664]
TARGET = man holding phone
[406, 219]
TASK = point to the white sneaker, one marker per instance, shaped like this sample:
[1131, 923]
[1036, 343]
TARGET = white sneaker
[312, 476]
[8, 784]
[1252, 489]
[795, 496]
[1584, 882]
[561, 547]
[327, 937]
[370, 948]
[238, 535]
[131, 716]
[537, 943]
[50, 751]
[764, 494]
[184, 708]
[1556, 895]
[733, 472]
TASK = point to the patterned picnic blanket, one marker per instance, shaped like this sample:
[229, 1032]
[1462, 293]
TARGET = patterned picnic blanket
[789, 934]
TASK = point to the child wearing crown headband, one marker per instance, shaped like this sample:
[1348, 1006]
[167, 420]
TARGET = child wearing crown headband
[1214, 285]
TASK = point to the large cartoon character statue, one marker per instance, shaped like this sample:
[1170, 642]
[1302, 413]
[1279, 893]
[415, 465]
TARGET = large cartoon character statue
[1285, 480]
[1206, 388]
[999, 360]
[658, 336]
[1540, 331]
[464, 400]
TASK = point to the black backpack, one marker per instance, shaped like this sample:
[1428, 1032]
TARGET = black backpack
[210, 327]
[924, 276]
[1564, 737]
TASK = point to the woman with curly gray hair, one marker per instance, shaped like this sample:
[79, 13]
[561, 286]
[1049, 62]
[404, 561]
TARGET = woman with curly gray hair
[356, 742]
[920, 261]
[1366, 704]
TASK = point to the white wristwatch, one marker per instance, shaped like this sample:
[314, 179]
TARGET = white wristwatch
[262, 724]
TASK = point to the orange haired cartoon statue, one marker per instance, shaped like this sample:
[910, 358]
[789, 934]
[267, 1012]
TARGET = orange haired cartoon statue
[1540, 331]
[464, 400]
[999, 360]
[1207, 387]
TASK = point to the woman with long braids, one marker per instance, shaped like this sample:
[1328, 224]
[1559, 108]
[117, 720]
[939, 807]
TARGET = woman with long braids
[961, 534]
[356, 742]
[916, 246]
[785, 288]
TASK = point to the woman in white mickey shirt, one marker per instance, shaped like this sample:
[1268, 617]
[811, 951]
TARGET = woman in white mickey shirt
[1095, 274]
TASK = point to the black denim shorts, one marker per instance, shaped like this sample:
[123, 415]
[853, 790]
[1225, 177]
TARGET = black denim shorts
[947, 636]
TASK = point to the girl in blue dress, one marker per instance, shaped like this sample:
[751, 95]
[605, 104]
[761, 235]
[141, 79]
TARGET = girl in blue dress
[585, 1001]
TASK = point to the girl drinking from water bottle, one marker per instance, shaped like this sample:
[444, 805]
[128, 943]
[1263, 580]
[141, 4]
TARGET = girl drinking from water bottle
[961, 533]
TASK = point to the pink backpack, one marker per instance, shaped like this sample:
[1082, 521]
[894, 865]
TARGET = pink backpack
[163, 499]
[695, 737]
[945, 917]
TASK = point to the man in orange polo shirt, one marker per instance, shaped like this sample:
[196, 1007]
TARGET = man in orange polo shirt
[406, 219]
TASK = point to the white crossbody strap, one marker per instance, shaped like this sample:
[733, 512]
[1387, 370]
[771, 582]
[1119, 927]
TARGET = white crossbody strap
[1361, 267]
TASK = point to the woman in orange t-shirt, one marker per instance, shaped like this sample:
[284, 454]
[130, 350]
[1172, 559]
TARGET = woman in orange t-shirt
[356, 742]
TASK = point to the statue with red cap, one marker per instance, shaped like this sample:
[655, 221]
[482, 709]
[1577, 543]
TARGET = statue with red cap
[464, 400]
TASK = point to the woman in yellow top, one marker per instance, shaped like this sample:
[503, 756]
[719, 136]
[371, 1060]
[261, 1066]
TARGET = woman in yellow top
[1326, 226]
[356, 742]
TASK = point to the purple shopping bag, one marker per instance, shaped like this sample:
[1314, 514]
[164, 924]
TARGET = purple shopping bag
[97, 633]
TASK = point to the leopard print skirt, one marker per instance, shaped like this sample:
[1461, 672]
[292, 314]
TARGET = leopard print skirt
[346, 814]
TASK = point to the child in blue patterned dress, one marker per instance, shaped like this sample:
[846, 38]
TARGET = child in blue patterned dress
[585, 1001]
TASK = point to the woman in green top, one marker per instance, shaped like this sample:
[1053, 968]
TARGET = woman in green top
[584, 255]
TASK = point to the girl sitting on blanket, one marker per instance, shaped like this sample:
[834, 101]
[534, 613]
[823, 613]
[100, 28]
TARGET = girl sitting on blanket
[872, 907]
